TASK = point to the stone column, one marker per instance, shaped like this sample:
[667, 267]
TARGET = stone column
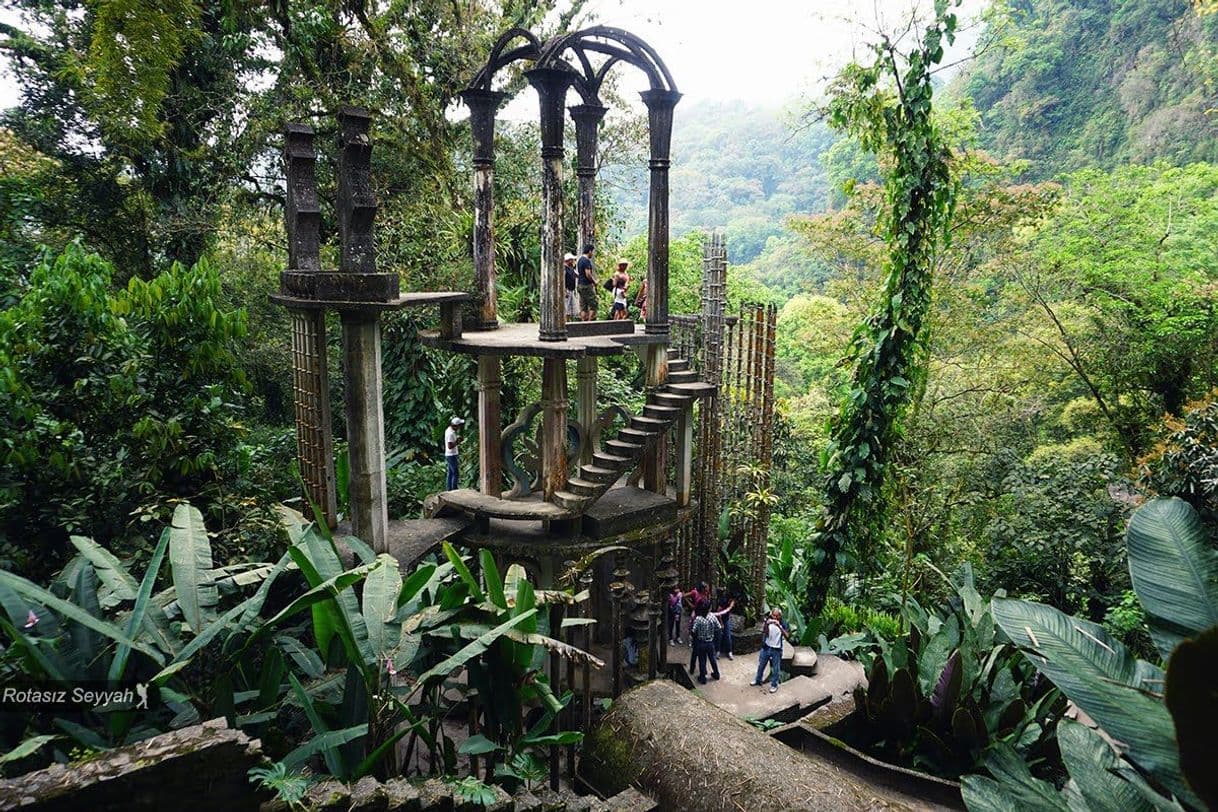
[551, 85]
[660, 104]
[361, 335]
[482, 106]
[553, 426]
[490, 461]
[585, 389]
[684, 450]
[587, 118]
[310, 377]
[655, 459]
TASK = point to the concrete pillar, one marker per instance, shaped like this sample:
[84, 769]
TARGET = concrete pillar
[656, 458]
[585, 389]
[551, 85]
[587, 118]
[490, 462]
[482, 106]
[684, 452]
[553, 426]
[660, 104]
[365, 429]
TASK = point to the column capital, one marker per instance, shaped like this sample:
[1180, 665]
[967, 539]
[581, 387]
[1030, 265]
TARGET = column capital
[302, 212]
[660, 104]
[587, 118]
[551, 85]
[483, 104]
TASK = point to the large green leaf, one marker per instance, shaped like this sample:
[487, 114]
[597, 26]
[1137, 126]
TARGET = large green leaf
[143, 598]
[190, 564]
[380, 606]
[342, 616]
[73, 612]
[27, 748]
[1013, 787]
[120, 584]
[1097, 673]
[473, 649]
[1192, 699]
[1174, 571]
[1095, 783]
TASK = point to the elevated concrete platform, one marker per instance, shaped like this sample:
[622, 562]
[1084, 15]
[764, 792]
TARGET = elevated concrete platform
[623, 509]
[526, 507]
[521, 339]
[409, 539]
[421, 299]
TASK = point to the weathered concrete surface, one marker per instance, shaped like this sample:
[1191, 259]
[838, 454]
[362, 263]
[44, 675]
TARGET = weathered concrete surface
[196, 769]
[689, 754]
[832, 682]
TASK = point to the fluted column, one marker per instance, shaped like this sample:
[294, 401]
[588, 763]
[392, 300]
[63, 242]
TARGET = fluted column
[551, 85]
[482, 106]
[660, 104]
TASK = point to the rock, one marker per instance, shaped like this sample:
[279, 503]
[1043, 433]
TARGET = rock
[203, 768]
[328, 796]
[368, 796]
[631, 800]
[526, 801]
[401, 796]
[435, 796]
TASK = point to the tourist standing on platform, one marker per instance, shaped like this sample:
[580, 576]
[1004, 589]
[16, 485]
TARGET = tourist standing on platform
[452, 438]
[674, 615]
[569, 278]
[703, 631]
[621, 283]
[585, 272]
[773, 632]
[726, 604]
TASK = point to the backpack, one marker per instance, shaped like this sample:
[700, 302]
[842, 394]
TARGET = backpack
[569, 277]
[609, 283]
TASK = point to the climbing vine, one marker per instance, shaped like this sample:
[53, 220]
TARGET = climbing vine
[887, 106]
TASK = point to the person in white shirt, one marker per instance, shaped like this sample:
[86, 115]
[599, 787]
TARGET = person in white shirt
[773, 632]
[452, 438]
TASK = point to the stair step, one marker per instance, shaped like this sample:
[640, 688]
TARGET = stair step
[570, 501]
[614, 462]
[584, 487]
[598, 474]
[636, 436]
[671, 399]
[687, 376]
[677, 365]
[693, 389]
[648, 424]
[672, 353]
[623, 449]
[661, 412]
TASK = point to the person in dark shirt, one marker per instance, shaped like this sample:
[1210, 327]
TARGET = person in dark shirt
[585, 273]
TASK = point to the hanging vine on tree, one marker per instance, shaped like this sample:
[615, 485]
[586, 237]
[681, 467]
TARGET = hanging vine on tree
[887, 106]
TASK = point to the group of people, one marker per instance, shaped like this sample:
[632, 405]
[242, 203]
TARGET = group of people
[710, 633]
[582, 292]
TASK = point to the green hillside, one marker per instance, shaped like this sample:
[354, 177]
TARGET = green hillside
[1099, 82]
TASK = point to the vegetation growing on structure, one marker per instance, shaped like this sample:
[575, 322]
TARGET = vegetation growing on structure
[887, 105]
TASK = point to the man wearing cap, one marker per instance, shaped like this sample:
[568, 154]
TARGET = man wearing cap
[452, 436]
[568, 269]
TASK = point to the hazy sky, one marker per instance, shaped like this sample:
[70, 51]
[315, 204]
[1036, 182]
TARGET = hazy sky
[761, 51]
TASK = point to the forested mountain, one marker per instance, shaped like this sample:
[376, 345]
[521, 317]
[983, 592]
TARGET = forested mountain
[1079, 83]
[735, 166]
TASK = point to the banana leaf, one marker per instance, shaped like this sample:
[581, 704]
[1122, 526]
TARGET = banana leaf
[143, 597]
[1174, 571]
[1013, 787]
[380, 599]
[1099, 675]
[190, 564]
[70, 611]
[473, 649]
[120, 584]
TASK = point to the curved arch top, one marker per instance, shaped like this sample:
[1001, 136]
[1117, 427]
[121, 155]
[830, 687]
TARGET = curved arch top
[500, 59]
[619, 45]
